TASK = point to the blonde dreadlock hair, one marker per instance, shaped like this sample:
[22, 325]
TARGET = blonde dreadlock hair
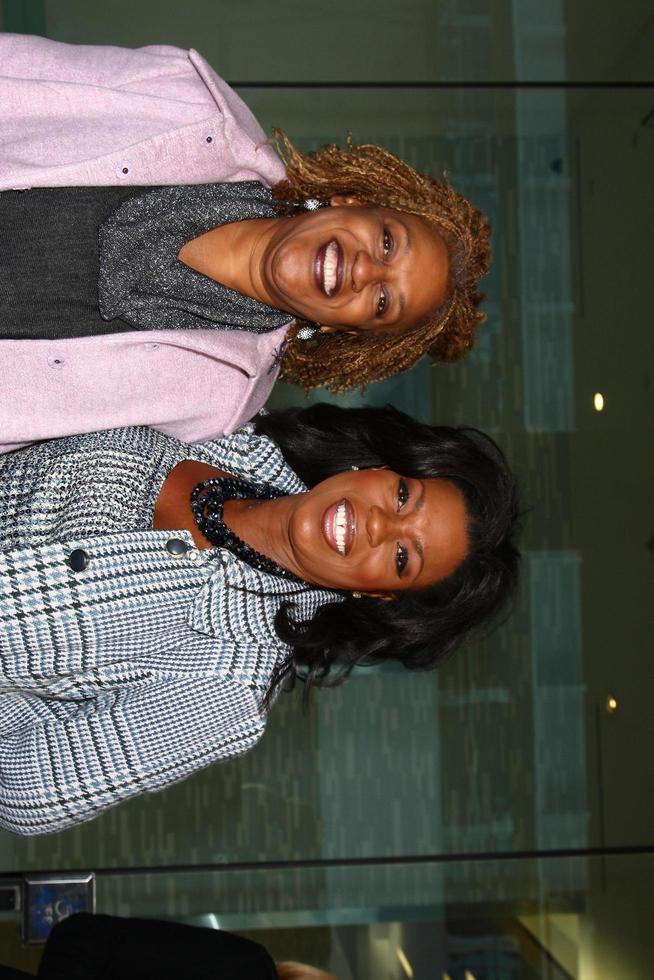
[379, 178]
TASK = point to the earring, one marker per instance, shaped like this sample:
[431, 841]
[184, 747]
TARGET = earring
[354, 467]
[356, 595]
[312, 204]
[306, 332]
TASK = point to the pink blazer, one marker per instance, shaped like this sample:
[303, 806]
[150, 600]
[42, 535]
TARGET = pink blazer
[85, 115]
[76, 115]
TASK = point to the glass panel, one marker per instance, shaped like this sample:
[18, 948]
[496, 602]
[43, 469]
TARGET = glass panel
[581, 918]
[512, 745]
[539, 737]
[448, 40]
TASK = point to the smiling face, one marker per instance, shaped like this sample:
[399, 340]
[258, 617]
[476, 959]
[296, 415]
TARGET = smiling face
[354, 267]
[377, 532]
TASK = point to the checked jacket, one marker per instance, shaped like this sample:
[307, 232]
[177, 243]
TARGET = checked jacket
[142, 667]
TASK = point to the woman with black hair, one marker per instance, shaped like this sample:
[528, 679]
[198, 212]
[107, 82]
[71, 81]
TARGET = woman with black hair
[431, 621]
[154, 595]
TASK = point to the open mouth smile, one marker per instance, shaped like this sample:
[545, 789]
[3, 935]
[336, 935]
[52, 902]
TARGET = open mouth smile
[338, 526]
[328, 267]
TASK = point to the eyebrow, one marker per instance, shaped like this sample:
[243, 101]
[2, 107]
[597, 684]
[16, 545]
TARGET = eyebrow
[407, 252]
[419, 506]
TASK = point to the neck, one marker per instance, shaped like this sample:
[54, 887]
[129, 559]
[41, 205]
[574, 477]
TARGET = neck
[233, 255]
[264, 526]
[261, 524]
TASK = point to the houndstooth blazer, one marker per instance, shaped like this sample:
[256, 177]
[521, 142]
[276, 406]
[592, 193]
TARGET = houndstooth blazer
[139, 669]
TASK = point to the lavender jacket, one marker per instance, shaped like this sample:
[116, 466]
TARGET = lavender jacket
[74, 115]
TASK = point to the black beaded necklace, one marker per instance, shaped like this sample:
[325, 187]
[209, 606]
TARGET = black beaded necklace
[207, 504]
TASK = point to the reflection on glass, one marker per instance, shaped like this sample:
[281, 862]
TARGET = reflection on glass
[576, 918]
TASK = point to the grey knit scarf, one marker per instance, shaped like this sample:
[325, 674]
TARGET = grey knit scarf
[142, 280]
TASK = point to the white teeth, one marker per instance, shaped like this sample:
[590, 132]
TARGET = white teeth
[340, 526]
[329, 268]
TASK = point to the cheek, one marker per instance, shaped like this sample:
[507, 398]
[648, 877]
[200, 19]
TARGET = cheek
[372, 574]
[367, 575]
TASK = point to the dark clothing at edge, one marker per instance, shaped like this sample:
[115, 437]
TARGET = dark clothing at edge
[106, 947]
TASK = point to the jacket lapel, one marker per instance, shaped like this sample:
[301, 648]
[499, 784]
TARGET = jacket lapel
[239, 603]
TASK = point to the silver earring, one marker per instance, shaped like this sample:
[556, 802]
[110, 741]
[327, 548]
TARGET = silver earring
[356, 595]
[354, 467]
[306, 332]
[312, 204]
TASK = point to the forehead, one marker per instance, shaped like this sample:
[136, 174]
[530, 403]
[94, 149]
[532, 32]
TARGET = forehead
[445, 531]
[423, 263]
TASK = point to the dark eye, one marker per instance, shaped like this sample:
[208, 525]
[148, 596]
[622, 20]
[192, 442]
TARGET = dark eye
[388, 242]
[382, 304]
[401, 559]
[403, 493]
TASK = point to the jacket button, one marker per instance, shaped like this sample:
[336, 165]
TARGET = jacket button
[78, 560]
[56, 361]
[176, 547]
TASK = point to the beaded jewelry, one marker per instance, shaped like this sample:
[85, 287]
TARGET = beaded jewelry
[207, 503]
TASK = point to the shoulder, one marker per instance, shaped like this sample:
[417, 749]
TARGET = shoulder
[251, 456]
[29, 56]
[243, 453]
[134, 439]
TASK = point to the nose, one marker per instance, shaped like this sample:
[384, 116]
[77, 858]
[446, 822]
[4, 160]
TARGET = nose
[382, 525]
[365, 269]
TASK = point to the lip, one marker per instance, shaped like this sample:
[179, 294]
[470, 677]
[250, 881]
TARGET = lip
[331, 532]
[319, 268]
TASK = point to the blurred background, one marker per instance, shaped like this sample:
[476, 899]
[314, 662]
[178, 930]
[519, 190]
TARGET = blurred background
[495, 820]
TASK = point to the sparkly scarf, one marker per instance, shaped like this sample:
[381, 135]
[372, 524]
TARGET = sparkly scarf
[141, 279]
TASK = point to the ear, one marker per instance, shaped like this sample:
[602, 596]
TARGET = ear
[345, 201]
[326, 328]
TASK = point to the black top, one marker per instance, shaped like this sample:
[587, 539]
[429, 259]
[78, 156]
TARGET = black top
[49, 261]
[106, 947]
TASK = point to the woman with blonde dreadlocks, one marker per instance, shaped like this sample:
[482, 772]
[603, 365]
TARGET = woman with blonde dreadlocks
[160, 265]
